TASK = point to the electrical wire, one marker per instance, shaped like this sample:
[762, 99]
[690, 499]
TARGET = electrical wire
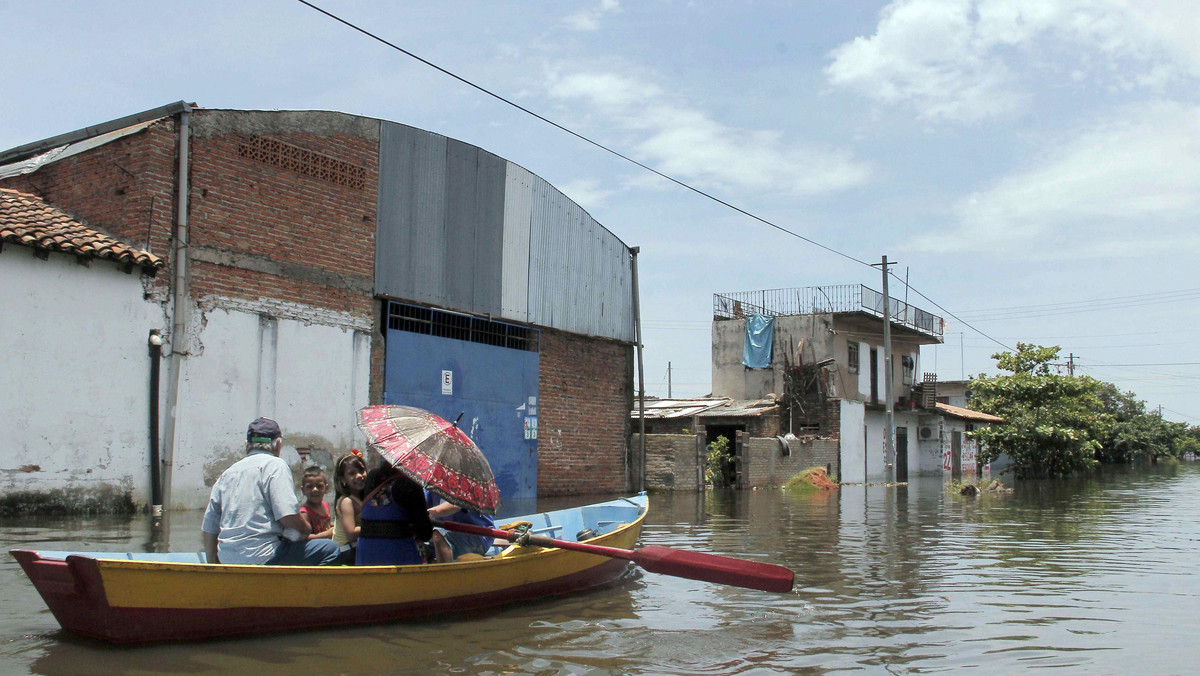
[1142, 296]
[579, 136]
[688, 186]
[951, 314]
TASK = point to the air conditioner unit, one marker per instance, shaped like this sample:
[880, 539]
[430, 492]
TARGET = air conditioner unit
[926, 432]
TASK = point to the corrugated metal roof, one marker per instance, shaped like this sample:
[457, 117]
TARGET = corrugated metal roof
[707, 407]
[518, 207]
[32, 164]
[967, 414]
[26, 219]
[463, 229]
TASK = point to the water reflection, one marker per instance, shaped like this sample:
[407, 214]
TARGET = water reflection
[1091, 574]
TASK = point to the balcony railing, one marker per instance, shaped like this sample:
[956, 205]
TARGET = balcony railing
[823, 300]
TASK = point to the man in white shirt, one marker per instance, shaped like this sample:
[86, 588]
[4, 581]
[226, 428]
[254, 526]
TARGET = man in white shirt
[253, 515]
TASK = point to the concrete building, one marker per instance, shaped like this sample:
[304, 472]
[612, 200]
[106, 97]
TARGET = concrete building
[315, 262]
[679, 431]
[942, 438]
[952, 392]
[826, 366]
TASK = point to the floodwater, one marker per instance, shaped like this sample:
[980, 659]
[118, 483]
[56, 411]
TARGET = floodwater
[1091, 576]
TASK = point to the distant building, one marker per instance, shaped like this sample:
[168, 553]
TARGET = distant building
[299, 265]
[679, 431]
[819, 351]
[953, 392]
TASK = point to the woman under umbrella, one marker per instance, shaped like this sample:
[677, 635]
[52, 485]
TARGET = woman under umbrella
[393, 519]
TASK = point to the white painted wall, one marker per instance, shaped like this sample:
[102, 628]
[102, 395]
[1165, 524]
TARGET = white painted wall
[929, 456]
[74, 375]
[853, 448]
[310, 377]
[864, 370]
[74, 381]
[908, 421]
[874, 422]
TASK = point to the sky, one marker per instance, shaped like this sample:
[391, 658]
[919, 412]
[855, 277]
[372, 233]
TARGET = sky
[1032, 165]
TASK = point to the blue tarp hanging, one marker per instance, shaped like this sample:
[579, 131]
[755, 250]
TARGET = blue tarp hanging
[760, 334]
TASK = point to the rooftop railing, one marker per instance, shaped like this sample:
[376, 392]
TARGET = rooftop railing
[824, 300]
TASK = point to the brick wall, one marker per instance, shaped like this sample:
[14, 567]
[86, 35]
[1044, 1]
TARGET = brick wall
[287, 226]
[125, 188]
[282, 227]
[584, 398]
[671, 462]
[768, 466]
[258, 229]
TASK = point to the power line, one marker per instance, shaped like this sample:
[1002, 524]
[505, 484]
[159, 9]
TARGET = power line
[956, 317]
[579, 136]
[1185, 415]
[1166, 363]
[1184, 293]
[616, 153]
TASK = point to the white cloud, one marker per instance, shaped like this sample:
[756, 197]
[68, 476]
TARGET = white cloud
[968, 60]
[586, 193]
[589, 19]
[688, 144]
[1124, 186]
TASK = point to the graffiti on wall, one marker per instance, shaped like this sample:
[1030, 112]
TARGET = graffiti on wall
[969, 454]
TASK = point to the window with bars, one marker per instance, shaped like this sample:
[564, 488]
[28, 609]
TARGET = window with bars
[852, 357]
[417, 319]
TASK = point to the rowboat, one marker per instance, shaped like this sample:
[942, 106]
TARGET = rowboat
[146, 597]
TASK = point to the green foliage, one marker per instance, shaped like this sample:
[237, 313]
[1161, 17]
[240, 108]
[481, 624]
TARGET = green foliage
[1032, 359]
[719, 470]
[1052, 425]
[1138, 434]
[1189, 442]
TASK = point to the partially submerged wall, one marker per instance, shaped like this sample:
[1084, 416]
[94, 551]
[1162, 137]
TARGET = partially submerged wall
[76, 397]
[674, 462]
[771, 462]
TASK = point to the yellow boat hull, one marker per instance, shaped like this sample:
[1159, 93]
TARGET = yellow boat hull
[131, 601]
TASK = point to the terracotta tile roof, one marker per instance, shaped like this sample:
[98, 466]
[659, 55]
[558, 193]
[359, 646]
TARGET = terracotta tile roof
[26, 219]
[967, 414]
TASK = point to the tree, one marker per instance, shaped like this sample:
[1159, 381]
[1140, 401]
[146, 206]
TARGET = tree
[1052, 425]
[1136, 433]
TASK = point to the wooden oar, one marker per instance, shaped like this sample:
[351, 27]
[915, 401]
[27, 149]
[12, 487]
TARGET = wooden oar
[664, 560]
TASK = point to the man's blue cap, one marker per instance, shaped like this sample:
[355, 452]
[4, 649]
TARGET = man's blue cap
[263, 430]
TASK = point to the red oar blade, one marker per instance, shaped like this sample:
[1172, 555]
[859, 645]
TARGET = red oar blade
[713, 568]
[664, 560]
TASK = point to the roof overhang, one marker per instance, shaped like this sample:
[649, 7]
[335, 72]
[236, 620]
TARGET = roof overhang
[38, 147]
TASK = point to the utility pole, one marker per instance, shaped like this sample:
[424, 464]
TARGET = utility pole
[962, 358]
[1071, 364]
[669, 380]
[640, 482]
[889, 459]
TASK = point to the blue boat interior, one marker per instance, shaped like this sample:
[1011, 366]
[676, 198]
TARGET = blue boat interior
[563, 524]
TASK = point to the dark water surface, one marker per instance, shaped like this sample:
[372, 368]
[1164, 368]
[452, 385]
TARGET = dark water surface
[1092, 576]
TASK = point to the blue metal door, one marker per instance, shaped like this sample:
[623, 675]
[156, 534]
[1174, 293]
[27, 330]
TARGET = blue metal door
[471, 367]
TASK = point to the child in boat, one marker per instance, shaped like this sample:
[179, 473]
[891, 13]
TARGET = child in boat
[315, 510]
[449, 545]
[393, 519]
[349, 478]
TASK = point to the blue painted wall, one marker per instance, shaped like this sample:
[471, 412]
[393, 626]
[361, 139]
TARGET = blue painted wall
[494, 387]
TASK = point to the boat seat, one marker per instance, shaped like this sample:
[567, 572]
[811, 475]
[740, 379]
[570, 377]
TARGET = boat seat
[517, 550]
